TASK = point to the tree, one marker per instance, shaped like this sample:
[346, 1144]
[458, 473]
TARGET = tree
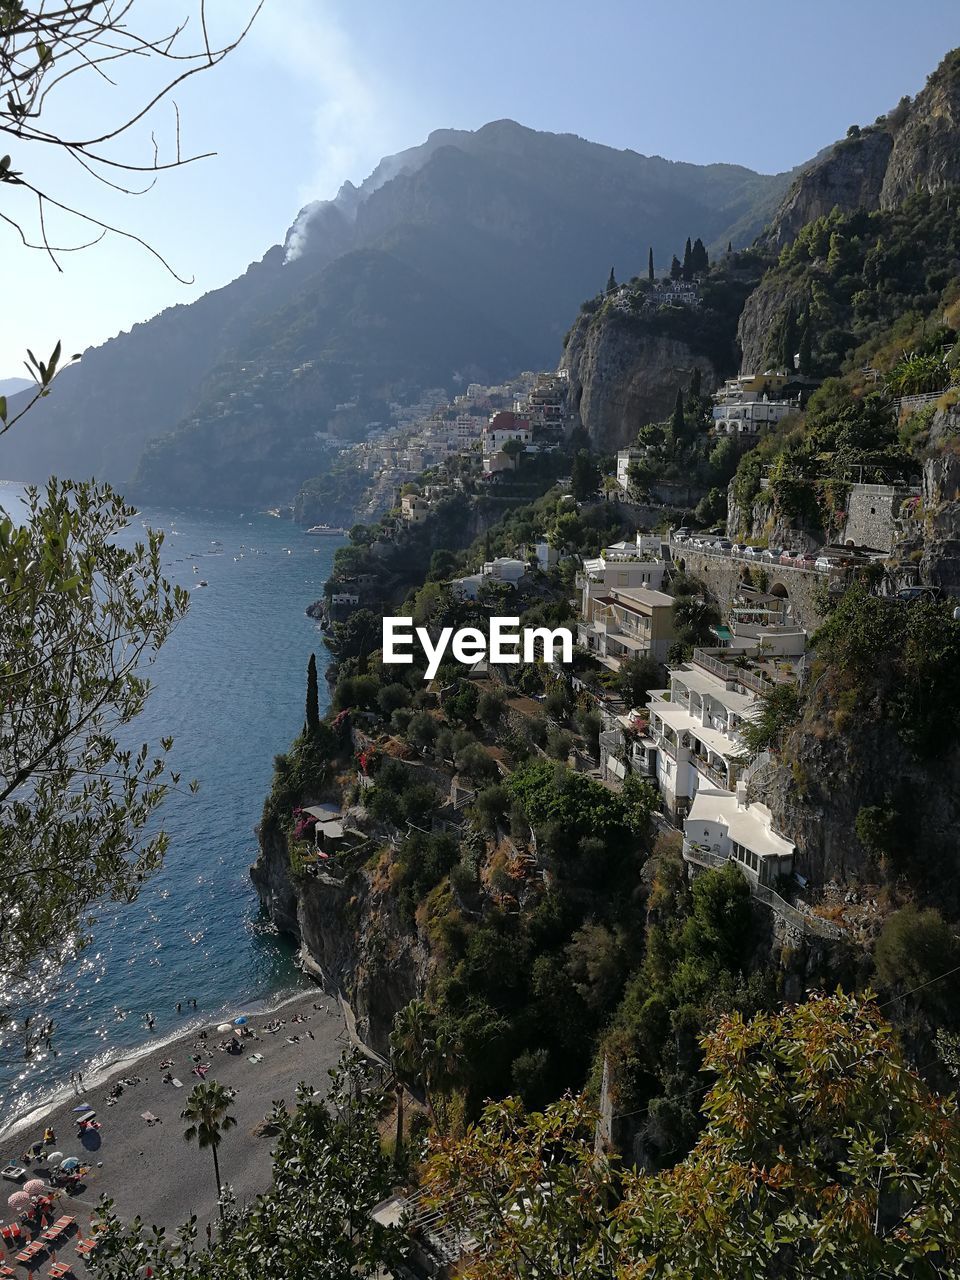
[208, 1113]
[641, 800]
[611, 282]
[788, 340]
[329, 1172]
[779, 709]
[356, 637]
[913, 948]
[585, 476]
[805, 350]
[699, 259]
[676, 269]
[423, 1052]
[678, 423]
[41, 47]
[83, 617]
[650, 273]
[695, 390]
[313, 696]
[823, 1157]
[687, 268]
[636, 677]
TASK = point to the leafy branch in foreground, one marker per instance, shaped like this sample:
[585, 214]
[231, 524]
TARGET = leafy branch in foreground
[44, 46]
[80, 618]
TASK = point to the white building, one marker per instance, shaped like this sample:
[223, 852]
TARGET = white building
[624, 459]
[750, 416]
[503, 569]
[722, 826]
[414, 508]
[696, 724]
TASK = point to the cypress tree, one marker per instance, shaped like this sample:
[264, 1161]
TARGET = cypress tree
[699, 260]
[612, 282]
[313, 696]
[675, 268]
[650, 264]
[805, 348]
[687, 260]
[729, 247]
[677, 422]
[788, 341]
[696, 381]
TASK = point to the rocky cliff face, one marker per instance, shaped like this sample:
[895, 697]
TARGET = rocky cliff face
[929, 550]
[621, 377]
[915, 145]
[348, 934]
[876, 769]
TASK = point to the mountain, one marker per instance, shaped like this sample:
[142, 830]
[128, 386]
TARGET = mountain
[12, 386]
[880, 165]
[458, 260]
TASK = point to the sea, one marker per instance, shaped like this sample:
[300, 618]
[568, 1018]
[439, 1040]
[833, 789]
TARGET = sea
[230, 687]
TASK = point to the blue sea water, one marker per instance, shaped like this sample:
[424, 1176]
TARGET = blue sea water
[229, 686]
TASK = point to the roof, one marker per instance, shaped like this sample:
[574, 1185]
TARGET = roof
[749, 826]
[323, 812]
[643, 596]
[680, 719]
[703, 682]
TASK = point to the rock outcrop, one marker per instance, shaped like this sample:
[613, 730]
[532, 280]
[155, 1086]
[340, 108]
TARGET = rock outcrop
[622, 376]
[348, 933]
[881, 165]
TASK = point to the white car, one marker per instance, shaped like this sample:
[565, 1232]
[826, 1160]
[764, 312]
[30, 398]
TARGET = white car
[824, 564]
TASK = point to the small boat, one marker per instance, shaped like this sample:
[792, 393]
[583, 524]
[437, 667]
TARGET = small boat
[203, 583]
[324, 531]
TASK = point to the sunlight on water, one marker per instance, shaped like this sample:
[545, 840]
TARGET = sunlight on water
[229, 686]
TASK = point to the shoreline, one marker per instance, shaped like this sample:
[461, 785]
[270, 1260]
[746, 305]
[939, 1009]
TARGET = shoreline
[126, 1058]
[138, 1157]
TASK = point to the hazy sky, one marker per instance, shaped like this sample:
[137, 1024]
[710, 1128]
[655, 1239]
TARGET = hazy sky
[323, 88]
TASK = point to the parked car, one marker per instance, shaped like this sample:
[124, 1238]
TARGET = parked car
[788, 557]
[807, 560]
[825, 564]
[773, 554]
[739, 548]
[724, 544]
[753, 553]
[681, 534]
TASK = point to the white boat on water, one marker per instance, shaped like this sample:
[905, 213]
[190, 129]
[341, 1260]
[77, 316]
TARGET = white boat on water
[324, 531]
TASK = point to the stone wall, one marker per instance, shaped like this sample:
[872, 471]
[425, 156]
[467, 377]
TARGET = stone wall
[871, 512]
[721, 575]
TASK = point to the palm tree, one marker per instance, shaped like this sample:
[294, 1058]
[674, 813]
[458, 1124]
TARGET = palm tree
[208, 1110]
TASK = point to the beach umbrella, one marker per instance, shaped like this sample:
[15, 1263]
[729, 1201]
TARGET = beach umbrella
[241, 1021]
[71, 1162]
[19, 1201]
[54, 1157]
[224, 1026]
[35, 1187]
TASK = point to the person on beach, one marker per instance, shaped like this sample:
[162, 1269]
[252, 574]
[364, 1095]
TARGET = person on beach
[49, 1137]
[79, 1081]
[178, 1006]
[150, 1021]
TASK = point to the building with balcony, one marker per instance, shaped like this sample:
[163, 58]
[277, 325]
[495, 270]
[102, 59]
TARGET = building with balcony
[762, 622]
[721, 826]
[749, 417]
[695, 726]
[617, 623]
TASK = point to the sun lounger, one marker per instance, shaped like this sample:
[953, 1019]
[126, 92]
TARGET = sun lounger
[59, 1269]
[84, 1248]
[13, 1172]
[255, 1057]
[6, 1272]
[177, 1084]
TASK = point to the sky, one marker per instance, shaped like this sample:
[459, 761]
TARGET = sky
[320, 90]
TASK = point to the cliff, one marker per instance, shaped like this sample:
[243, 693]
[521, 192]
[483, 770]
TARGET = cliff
[347, 930]
[878, 167]
[623, 376]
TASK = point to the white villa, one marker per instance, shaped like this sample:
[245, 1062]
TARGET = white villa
[695, 727]
[722, 826]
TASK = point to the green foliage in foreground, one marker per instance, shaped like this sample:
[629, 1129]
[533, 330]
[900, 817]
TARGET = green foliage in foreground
[81, 619]
[823, 1158]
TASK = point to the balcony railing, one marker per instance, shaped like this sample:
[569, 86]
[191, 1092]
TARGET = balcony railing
[726, 672]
